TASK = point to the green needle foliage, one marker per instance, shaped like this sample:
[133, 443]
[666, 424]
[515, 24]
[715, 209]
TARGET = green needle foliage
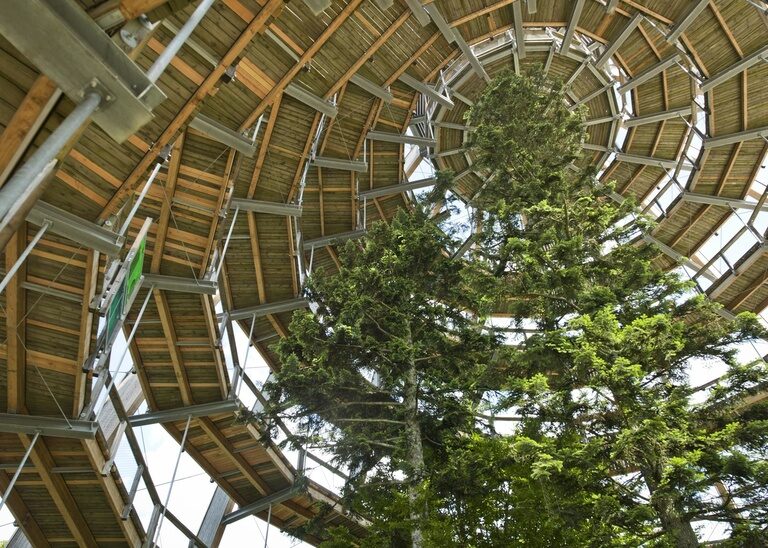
[399, 368]
[402, 313]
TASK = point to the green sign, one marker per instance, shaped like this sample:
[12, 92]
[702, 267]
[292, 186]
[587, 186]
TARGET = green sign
[115, 310]
[135, 269]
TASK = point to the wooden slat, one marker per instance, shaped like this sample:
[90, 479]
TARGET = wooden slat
[22, 514]
[348, 10]
[189, 108]
[86, 330]
[59, 492]
[15, 310]
[226, 447]
[182, 382]
[165, 207]
[24, 124]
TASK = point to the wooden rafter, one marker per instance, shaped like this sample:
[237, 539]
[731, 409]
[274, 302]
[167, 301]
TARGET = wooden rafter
[226, 447]
[165, 207]
[57, 488]
[259, 21]
[478, 13]
[173, 349]
[264, 147]
[112, 493]
[326, 35]
[22, 514]
[746, 293]
[380, 41]
[85, 333]
[25, 122]
[15, 310]
[230, 175]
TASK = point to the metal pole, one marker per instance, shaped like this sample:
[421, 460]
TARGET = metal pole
[104, 380]
[135, 208]
[133, 332]
[23, 256]
[165, 58]
[18, 470]
[20, 192]
[226, 244]
[236, 386]
[269, 518]
[173, 479]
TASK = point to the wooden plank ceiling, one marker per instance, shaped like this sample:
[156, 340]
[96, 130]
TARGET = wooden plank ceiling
[48, 335]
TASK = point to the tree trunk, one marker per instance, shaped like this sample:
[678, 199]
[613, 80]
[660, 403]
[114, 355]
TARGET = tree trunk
[672, 522]
[415, 452]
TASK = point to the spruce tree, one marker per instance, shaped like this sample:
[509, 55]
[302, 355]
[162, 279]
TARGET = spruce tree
[399, 365]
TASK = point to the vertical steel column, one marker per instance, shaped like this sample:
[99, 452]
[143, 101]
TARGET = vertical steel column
[18, 471]
[241, 372]
[152, 527]
[20, 193]
[226, 244]
[23, 256]
[165, 58]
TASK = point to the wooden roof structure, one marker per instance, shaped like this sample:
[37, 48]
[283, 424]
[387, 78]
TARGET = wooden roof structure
[677, 99]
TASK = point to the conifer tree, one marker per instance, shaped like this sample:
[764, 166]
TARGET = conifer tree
[399, 366]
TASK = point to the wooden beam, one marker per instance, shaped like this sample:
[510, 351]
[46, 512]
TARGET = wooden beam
[130, 9]
[303, 158]
[15, 310]
[185, 113]
[85, 334]
[25, 123]
[413, 58]
[380, 41]
[478, 13]
[264, 147]
[231, 171]
[213, 334]
[170, 336]
[739, 299]
[348, 10]
[111, 489]
[22, 515]
[243, 466]
[57, 488]
[256, 254]
[165, 203]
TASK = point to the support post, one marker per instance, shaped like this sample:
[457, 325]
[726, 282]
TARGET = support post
[132, 492]
[211, 529]
[226, 245]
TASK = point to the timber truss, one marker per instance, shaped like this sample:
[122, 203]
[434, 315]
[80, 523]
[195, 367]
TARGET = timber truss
[170, 171]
